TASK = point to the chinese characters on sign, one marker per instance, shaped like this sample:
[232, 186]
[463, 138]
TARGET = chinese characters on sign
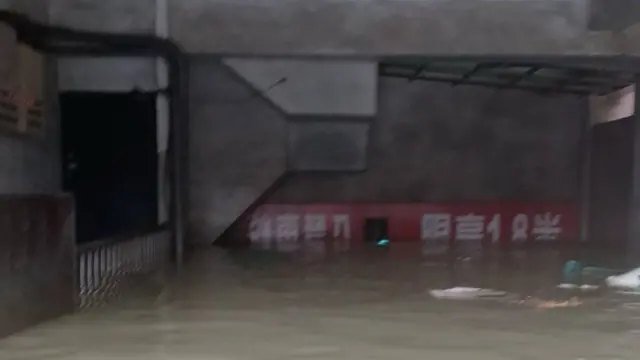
[288, 230]
[439, 226]
[341, 226]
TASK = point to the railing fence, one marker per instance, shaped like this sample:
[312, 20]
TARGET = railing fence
[103, 266]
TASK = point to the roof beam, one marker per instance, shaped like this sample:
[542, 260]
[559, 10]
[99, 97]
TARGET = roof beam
[468, 74]
[419, 72]
[579, 80]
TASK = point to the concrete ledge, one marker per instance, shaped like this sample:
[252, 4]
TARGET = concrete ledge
[378, 27]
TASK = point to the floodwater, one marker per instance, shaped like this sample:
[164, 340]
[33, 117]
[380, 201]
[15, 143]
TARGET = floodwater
[370, 303]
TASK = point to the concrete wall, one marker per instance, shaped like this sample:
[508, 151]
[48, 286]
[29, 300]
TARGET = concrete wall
[349, 27]
[37, 262]
[313, 87]
[611, 168]
[120, 16]
[106, 74]
[346, 27]
[330, 103]
[386, 27]
[433, 142]
[36, 9]
[611, 182]
[237, 147]
[29, 164]
[37, 280]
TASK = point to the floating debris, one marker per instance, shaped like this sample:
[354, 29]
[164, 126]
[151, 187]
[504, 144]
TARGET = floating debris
[629, 281]
[466, 293]
[573, 302]
[587, 287]
[584, 288]
[554, 304]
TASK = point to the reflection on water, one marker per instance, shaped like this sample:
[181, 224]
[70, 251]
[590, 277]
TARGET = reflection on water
[369, 303]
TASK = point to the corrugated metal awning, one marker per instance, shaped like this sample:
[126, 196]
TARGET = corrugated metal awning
[537, 76]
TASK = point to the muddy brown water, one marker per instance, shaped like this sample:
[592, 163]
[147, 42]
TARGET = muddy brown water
[368, 303]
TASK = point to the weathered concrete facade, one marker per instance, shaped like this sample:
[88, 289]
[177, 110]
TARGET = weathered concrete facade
[350, 27]
[37, 277]
[249, 126]
[314, 87]
[237, 147]
[437, 143]
[30, 164]
[317, 92]
[330, 105]
[612, 171]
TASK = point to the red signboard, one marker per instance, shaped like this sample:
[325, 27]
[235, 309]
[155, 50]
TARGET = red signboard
[479, 223]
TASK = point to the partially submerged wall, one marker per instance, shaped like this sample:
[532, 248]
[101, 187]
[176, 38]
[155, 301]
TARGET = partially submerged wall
[437, 143]
[612, 169]
[37, 253]
[237, 147]
[464, 165]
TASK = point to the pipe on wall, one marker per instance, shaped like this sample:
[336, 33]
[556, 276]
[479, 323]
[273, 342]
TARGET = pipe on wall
[58, 40]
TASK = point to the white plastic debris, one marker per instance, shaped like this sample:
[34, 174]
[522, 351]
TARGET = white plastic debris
[627, 281]
[585, 287]
[465, 293]
[567, 286]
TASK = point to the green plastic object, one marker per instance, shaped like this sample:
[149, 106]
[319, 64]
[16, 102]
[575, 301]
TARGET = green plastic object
[572, 272]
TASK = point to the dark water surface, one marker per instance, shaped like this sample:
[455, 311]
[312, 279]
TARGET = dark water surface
[371, 303]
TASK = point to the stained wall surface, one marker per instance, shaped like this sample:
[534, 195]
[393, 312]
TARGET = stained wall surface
[349, 27]
[29, 164]
[248, 127]
[313, 86]
[330, 105]
[37, 257]
[442, 154]
[437, 143]
[237, 147]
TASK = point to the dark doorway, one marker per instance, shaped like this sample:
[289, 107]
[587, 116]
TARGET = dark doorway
[110, 161]
[375, 230]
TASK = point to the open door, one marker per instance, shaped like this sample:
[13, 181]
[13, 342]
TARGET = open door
[110, 161]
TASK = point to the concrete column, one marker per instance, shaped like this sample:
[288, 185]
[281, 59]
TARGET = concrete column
[633, 244]
[614, 171]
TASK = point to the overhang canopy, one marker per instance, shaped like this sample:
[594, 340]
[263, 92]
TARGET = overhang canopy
[543, 77]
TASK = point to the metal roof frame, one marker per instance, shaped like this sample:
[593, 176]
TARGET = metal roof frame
[541, 77]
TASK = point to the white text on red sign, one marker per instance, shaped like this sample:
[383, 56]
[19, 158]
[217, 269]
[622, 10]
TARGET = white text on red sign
[294, 226]
[436, 226]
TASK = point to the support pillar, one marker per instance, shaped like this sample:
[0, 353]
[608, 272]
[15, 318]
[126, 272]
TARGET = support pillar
[633, 240]
[614, 175]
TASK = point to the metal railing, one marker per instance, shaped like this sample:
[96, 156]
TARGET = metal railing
[104, 266]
